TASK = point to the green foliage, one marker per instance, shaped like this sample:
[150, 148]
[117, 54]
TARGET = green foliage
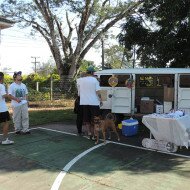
[161, 31]
[31, 80]
[85, 64]
[34, 95]
[114, 57]
[8, 79]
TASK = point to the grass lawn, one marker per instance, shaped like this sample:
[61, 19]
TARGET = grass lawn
[46, 112]
[39, 117]
[47, 116]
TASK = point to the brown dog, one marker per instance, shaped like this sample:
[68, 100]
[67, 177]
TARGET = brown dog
[104, 125]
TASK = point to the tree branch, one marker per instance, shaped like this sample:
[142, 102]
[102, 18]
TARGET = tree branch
[63, 42]
[129, 11]
[70, 28]
[82, 24]
[39, 29]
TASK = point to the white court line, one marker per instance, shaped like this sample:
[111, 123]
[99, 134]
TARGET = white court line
[152, 150]
[64, 171]
[54, 130]
[113, 142]
[123, 144]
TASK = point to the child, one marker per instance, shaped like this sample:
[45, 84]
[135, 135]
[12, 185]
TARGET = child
[18, 93]
[4, 114]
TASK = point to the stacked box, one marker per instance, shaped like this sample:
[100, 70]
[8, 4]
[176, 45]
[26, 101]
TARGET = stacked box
[167, 107]
[159, 109]
[129, 127]
[147, 106]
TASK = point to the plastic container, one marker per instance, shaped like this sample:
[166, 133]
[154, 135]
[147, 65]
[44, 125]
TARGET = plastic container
[120, 125]
[130, 127]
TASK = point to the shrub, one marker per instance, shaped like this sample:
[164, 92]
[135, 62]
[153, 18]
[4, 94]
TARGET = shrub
[34, 95]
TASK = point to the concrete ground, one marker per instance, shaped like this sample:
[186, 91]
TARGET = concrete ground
[51, 159]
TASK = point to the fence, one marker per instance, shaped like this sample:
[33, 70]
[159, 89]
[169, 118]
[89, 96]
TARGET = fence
[53, 90]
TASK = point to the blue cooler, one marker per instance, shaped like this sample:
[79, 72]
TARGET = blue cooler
[130, 127]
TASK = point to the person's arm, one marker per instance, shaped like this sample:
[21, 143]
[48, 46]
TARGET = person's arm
[11, 97]
[98, 92]
[14, 98]
[3, 93]
[5, 96]
[100, 97]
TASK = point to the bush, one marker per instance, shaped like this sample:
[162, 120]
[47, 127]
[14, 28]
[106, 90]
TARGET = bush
[34, 95]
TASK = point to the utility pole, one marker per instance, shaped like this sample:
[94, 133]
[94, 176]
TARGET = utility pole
[35, 63]
[134, 58]
[103, 61]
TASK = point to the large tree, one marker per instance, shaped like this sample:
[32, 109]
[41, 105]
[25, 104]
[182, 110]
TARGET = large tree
[161, 32]
[70, 27]
[115, 57]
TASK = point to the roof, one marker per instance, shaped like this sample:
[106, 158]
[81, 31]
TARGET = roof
[5, 23]
[144, 71]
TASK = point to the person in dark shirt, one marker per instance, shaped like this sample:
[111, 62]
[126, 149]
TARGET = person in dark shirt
[78, 109]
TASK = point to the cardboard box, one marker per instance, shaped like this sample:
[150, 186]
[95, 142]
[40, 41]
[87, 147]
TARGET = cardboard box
[168, 94]
[167, 106]
[159, 109]
[147, 106]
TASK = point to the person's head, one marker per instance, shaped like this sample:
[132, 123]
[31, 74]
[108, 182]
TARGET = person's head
[17, 76]
[90, 70]
[1, 77]
[83, 74]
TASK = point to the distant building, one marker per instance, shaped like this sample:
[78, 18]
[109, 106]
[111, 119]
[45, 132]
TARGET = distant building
[4, 23]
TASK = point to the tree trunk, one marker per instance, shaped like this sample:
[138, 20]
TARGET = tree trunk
[66, 84]
[73, 63]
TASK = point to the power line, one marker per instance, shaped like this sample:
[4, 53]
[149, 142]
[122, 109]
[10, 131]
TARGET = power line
[35, 62]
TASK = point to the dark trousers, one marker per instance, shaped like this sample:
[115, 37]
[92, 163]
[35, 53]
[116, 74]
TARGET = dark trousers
[79, 120]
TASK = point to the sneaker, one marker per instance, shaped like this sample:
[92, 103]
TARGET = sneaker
[18, 132]
[7, 142]
[26, 133]
[80, 134]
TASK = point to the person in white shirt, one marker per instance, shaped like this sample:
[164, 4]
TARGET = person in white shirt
[90, 98]
[18, 94]
[4, 114]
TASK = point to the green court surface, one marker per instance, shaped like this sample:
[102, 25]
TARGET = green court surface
[36, 161]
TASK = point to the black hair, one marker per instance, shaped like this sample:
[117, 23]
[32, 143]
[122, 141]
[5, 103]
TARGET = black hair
[1, 75]
[90, 72]
[17, 73]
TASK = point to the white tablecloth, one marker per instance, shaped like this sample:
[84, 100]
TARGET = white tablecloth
[175, 130]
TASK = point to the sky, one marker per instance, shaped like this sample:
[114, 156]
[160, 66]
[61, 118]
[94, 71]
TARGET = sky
[18, 47]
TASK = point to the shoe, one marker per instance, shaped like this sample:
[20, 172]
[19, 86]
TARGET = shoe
[18, 132]
[80, 134]
[7, 142]
[26, 133]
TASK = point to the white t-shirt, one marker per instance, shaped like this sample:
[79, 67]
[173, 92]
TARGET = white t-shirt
[3, 106]
[87, 87]
[19, 91]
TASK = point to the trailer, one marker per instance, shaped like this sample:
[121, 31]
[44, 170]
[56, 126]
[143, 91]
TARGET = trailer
[153, 90]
